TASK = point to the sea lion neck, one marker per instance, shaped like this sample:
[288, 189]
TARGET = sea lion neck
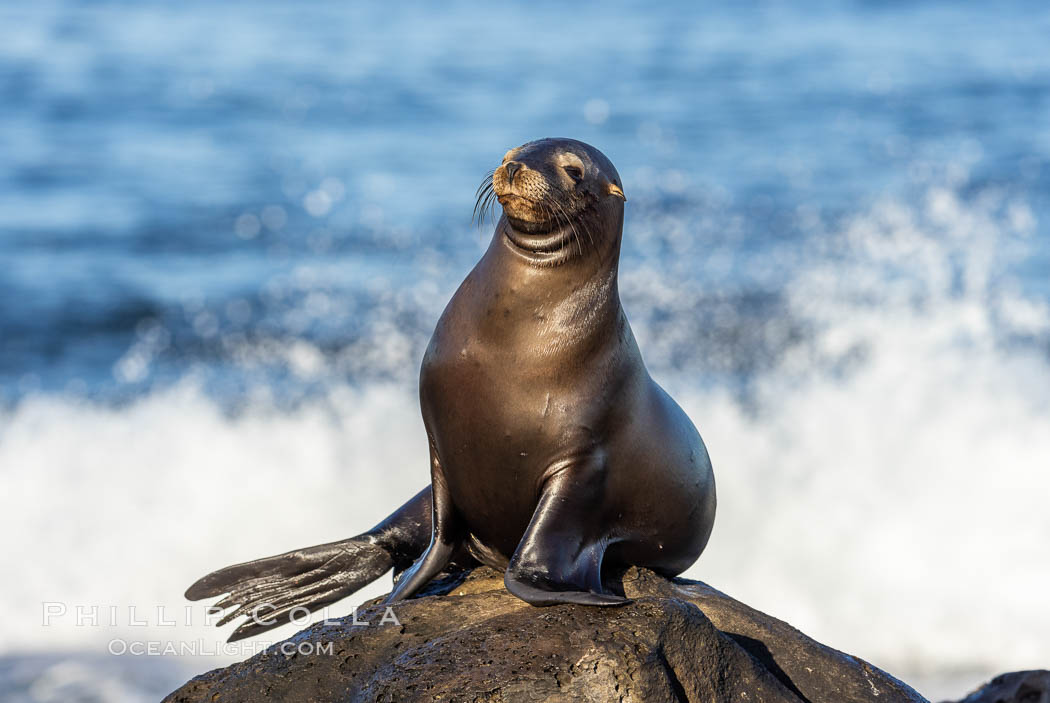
[581, 249]
[517, 297]
[563, 271]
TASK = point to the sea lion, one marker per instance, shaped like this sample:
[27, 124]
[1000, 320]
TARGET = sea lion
[553, 453]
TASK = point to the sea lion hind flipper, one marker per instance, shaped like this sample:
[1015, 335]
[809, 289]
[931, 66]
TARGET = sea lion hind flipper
[557, 561]
[268, 589]
[306, 565]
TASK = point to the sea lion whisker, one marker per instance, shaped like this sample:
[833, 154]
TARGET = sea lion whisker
[483, 197]
[561, 221]
[575, 233]
[569, 221]
[488, 205]
[481, 208]
[477, 206]
[486, 182]
[581, 219]
[552, 216]
[483, 191]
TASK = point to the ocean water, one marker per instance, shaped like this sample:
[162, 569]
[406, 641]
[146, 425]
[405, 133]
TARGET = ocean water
[227, 230]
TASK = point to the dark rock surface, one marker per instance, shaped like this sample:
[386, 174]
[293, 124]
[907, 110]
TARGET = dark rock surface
[1015, 687]
[677, 641]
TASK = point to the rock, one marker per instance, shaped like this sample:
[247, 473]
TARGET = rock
[467, 639]
[1015, 687]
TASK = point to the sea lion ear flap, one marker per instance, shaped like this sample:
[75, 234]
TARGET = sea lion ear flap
[616, 190]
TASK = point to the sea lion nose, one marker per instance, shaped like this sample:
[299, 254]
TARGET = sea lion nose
[510, 168]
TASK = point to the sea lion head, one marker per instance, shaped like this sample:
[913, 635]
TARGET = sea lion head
[561, 198]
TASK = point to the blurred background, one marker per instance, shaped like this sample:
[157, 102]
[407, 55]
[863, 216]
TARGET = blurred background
[227, 230]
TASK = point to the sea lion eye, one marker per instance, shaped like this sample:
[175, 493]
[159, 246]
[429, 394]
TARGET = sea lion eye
[575, 172]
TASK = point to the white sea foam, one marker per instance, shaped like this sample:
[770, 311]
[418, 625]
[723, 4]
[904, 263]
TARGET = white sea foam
[898, 511]
[893, 507]
[128, 506]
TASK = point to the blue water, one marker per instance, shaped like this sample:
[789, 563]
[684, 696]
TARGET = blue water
[263, 201]
[134, 135]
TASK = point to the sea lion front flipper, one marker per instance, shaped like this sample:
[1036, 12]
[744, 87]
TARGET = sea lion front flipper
[446, 539]
[558, 560]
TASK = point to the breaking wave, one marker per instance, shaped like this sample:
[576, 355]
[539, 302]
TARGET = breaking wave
[882, 472]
